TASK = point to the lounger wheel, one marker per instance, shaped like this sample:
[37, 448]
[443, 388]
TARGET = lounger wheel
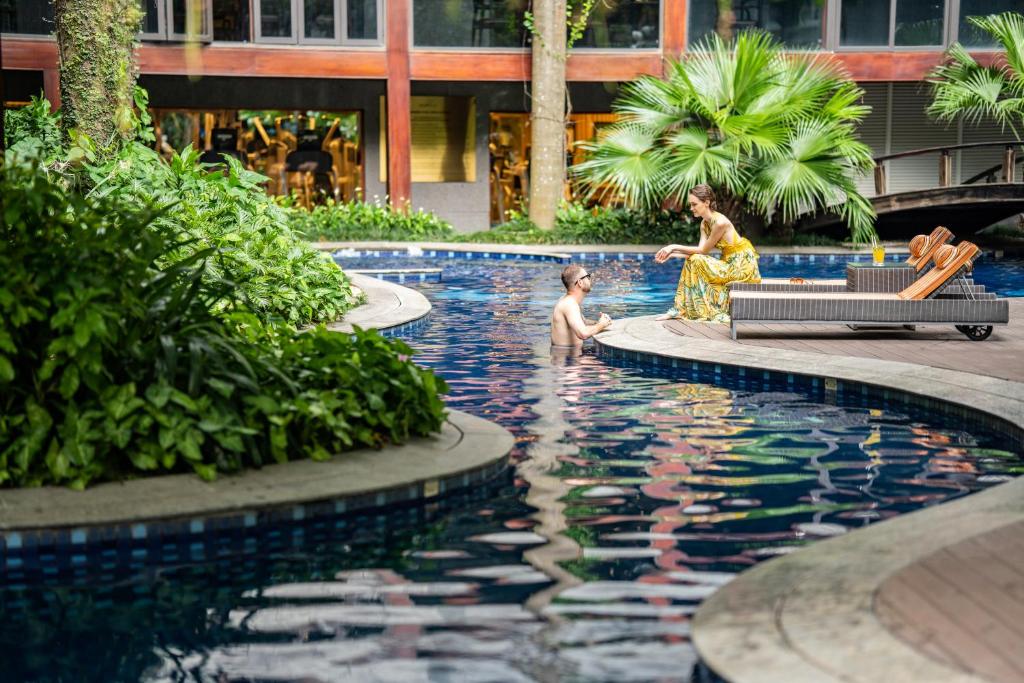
[976, 332]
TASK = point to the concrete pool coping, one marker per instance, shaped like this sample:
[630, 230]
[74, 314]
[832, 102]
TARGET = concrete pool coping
[809, 616]
[565, 250]
[388, 305]
[423, 468]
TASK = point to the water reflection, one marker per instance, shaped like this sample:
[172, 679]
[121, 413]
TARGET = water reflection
[636, 493]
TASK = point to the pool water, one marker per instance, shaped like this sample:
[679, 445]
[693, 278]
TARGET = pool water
[635, 493]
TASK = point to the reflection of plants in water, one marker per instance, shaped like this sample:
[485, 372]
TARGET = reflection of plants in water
[582, 568]
[924, 32]
[585, 536]
[577, 511]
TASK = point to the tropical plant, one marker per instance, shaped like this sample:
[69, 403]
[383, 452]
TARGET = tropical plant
[963, 88]
[35, 128]
[578, 224]
[773, 132]
[119, 357]
[275, 271]
[368, 221]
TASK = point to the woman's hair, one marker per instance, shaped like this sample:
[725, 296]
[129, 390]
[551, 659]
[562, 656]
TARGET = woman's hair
[704, 193]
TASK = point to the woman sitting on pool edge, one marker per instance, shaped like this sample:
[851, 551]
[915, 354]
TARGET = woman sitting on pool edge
[703, 292]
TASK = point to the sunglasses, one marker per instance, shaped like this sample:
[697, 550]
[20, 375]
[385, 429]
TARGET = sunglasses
[582, 278]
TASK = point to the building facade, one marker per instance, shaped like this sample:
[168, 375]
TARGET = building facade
[431, 97]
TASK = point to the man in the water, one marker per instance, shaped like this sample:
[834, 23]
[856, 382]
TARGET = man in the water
[568, 328]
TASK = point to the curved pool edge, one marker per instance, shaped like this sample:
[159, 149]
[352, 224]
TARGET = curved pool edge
[389, 306]
[494, 251]
[467, 451]
[809, 616]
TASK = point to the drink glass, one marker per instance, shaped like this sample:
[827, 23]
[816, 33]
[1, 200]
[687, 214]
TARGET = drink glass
[877, 253]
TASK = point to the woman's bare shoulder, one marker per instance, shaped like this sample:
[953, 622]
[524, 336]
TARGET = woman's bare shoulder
[722, 220]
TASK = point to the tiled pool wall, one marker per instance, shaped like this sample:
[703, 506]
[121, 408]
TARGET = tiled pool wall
[29, 555]
[834, 391]
[569, 255]
[410, 327]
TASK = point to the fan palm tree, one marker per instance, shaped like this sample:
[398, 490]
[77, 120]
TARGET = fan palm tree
[962, 88]
[773, 132]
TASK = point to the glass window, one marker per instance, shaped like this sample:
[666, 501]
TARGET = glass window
[178, 15]
[919, 22]
[26, 16]
[362, 19]
[797, 23]
[231, 20]
[865, 22]
[971, 35]
[151, 16]
[622, 24]
[318, 19]
[275, 18]
[470, 23]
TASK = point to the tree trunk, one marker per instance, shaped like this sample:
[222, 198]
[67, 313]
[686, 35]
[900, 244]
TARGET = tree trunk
[547, 115]
[96, 41]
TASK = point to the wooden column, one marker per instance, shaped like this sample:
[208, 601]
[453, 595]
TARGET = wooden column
[945, 168]
[880, 184]
[673, 31]
[1009, 164]
[51, 87]
[399, 122]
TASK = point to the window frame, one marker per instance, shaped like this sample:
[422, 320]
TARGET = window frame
[165, 26]
[381, 26]
[828, 36]
[949, 28]
[298, 32]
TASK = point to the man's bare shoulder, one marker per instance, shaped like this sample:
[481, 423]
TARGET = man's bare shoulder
[566, 304]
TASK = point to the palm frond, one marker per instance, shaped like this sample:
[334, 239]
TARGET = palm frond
[627, 160]
[1008, 29]
[693, 158]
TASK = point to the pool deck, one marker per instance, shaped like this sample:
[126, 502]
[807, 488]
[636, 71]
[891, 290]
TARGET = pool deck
[387, 306]
[929, 597]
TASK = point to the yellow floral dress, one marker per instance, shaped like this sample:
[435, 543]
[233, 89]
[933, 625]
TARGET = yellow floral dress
[703, 292]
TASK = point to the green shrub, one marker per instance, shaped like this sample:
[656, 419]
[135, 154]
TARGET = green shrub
[278, 273]
[119, 356]
[275, 269]
[33, 131]
[576, 224]
[355, 221]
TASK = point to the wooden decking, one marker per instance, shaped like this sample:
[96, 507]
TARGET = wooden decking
[1001, 355]
[964, 605]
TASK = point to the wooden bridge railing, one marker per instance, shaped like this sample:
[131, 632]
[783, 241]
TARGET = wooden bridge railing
[1009, 165]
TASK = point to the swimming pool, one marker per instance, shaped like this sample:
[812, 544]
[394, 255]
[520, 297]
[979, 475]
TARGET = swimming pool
[636, 493]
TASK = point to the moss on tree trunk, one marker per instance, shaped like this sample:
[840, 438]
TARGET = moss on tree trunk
[96, 42]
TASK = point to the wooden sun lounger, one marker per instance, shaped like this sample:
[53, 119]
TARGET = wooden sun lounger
[918, 304]
[891, 279]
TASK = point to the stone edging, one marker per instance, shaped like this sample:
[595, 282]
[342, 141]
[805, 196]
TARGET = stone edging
[565, 250]
[430, 249]
[467, 450]
[808, 617]
[388, 305]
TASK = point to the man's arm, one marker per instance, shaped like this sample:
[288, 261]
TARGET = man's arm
[580, 327]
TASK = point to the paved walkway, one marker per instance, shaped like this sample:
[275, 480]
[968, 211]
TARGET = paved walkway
[1001, 355]
[934, 596]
